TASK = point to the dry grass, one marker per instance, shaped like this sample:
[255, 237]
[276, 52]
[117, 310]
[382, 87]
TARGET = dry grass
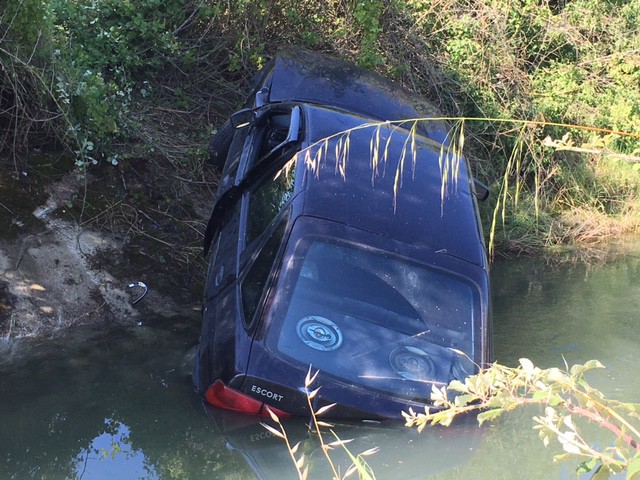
[585, 226]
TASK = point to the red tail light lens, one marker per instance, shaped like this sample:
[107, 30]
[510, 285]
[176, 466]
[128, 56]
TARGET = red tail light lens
[221, 396]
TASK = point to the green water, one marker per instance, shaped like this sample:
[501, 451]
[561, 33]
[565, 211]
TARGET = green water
[119, 404]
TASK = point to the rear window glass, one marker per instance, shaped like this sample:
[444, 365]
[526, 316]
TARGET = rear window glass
[374, 319]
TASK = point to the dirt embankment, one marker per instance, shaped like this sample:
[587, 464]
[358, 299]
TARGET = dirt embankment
[55, 274]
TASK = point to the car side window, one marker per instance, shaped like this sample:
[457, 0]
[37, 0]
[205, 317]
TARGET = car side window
[254, 283]
[267, 201]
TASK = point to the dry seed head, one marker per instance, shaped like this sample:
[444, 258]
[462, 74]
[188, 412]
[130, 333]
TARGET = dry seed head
[309, 379]
[325, 409]
[273, 431]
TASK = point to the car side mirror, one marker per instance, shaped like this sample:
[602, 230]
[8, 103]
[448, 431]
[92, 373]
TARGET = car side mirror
[481, 190]
[243, 118]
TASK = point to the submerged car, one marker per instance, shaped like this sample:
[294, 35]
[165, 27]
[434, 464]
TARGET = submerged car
[341, 240]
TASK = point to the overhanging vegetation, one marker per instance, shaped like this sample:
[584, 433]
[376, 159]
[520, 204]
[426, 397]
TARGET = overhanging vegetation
[112, 81]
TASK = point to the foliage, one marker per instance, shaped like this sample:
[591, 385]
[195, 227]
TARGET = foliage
[112, 79]
[367, 14]
[24, 29]
[29, 22]
[358, 465]
[568, 400]
[568, 63]
[109, 50]
[81, 60]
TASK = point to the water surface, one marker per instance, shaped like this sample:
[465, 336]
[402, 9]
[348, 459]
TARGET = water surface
[96, 404]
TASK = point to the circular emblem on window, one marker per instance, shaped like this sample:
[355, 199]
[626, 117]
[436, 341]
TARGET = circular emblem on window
[319, 333]
[412, 363]
[462, 367]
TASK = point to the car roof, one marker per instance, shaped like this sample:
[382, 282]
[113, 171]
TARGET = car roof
[402, 202]
[337, 96]
[300, 75]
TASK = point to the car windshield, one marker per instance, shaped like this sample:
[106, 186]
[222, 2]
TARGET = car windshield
[373, 319]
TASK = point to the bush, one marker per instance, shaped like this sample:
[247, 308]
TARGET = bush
[25, 29]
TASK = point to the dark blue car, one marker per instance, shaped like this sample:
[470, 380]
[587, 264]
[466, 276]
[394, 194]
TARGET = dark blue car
[359, 254]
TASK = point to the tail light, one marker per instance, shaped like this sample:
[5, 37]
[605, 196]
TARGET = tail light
[221, 396]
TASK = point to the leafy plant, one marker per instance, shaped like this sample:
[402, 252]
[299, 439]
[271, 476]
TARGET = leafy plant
[107, 51]
[367, 14]
[29, 23]
[568, 400]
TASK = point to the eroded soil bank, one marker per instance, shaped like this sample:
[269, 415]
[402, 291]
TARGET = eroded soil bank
[57, 272]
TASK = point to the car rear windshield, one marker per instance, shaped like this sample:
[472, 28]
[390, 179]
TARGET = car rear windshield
[373, 319]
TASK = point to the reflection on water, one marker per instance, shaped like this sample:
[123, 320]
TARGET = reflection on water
[110, 456]
[124, 391]
[576, 312]
[119, 404]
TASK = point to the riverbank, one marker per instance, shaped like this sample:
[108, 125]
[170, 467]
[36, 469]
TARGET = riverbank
[68, 257]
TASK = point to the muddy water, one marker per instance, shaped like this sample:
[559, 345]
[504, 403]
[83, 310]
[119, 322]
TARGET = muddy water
[118, 404]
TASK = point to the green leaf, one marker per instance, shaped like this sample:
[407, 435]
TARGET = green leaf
[587, 466]
[363, 469]
[633, 469]
[555, 375]
[541, 396]
[602, 473]
[591, 364]
[489, 415]
[547, 397]
[555, 400]
[457, 386]
[631, 407]
[562, 457]
[527, 365]
[578, 370]
[444, 417]
[438, 395]
[462, 400]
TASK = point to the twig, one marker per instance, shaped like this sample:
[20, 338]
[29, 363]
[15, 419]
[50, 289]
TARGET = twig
[6, 208]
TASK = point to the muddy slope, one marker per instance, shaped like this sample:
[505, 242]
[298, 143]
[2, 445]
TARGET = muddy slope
[55, 274]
